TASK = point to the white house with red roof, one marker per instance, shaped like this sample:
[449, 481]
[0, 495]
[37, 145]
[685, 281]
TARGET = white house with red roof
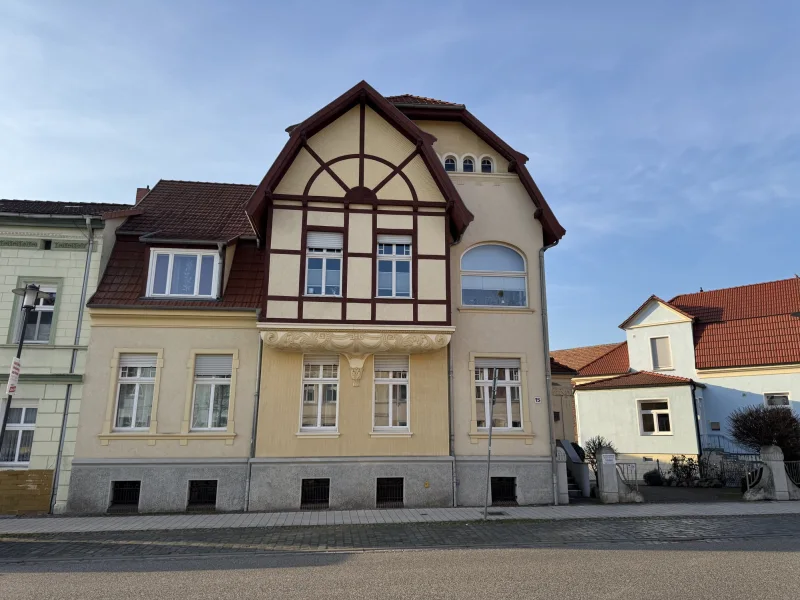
[686, 365]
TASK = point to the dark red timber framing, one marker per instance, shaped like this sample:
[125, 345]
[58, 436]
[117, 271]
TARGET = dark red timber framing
[263, 202]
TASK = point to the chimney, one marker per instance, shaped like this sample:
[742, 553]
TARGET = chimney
[141, 193]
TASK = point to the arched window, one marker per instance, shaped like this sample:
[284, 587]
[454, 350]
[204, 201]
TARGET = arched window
[450, 164]
[493, 275]
[486, 165]
[469, 165]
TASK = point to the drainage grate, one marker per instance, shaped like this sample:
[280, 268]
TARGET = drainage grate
[497, 513]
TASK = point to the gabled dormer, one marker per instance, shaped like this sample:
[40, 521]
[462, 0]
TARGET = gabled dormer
[660, 339]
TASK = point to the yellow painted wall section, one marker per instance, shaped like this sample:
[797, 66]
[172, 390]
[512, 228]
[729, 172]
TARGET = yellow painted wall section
[395, 222]
[296, 177]
[359, 278]
[359, 311]
[325, 185]
[394, 312]
[279, 411]
[287, 226]
[431, 280]
[430, 235]
[395, 189]
[382, 139]
[421, 178]
[374, 172]
[284, 277]
[325, 219]
[432, 312]
[322, 310]
[281, 309]
[360, 234]
[455, 138]
[338, 138]
[347, 171]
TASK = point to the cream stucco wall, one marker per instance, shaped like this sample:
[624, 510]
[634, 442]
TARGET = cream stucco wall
[176, 344]
[454, 138]
[279, 411]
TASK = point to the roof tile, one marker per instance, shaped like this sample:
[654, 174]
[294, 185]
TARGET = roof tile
[577, 358]
[421, 100]
[47, 207]
[635, 380]
[614, 362]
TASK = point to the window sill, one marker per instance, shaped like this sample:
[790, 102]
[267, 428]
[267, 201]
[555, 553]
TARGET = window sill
[663, 369]
[496, 309]
[315, 296]
[388, 433]
[501, 434]
[320, 434]
[384, 298]
[656, 434]
[14, 466]
[152, 438]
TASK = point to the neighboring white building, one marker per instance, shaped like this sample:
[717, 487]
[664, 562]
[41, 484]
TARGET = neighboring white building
[62, 247]
[687, 364]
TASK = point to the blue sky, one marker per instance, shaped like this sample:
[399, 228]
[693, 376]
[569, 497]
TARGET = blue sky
[665, 135]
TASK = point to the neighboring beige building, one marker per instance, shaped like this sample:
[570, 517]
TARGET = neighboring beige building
[61, 247]
[388, 263]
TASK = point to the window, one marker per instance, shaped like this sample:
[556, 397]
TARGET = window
[389, 492]
[654, 417]
[39, 323]
[661, 353]
[320, 392]
[493, 275]
[504, 491]
[556, 416]
[15, 447]
[391, 392]
[137, 376]
[315, 493]
[183, 273]
[450, 164]
[394, 266]
[777, 400]
[202, 495]
[468, 165]
[486, 165]
[125, 496]
[507, 413]
[212, 391]
[324, 264]
[715, 425]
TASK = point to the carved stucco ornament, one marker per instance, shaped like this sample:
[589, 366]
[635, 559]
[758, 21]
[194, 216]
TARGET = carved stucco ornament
[356, 346]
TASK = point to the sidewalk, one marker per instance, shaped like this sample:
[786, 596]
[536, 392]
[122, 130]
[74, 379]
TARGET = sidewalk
[405, 515]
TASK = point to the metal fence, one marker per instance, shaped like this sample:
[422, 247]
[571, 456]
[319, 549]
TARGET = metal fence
[627, 472]
[793, 471]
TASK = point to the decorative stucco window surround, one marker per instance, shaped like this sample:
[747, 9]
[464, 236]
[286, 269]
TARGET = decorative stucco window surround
[526, 432]
[355, 342]
[186, 424]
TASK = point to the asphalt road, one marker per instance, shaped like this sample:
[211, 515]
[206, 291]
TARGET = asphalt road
[729, 569]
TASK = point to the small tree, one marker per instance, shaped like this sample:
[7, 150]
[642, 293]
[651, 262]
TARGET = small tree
[592, 447]
[756, 426]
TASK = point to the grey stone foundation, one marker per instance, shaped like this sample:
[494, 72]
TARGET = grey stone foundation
[164, 483]
[534, 478]
[276, 483]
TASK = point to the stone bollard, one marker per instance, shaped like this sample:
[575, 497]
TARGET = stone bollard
[563, 482]
[607, 484]
[772, 456]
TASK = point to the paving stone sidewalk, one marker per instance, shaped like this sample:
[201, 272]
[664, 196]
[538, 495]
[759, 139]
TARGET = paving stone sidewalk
[26, 525]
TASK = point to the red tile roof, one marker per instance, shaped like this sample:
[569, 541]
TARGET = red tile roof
[420, 100]
[192, 210]
[47, 207]
[124, 281]
[557, 368]
[636, 380]
[613, 362]
[577, 358]
[743, 302]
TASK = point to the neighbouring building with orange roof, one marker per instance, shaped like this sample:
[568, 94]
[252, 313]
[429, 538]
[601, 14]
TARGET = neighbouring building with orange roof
[685, 366]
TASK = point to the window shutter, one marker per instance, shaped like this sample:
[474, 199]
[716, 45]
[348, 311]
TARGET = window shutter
[497, 363]
[391, 363]
[394, 239]
[137, 360]
[321, 359]
[213, 365]
[323, 239]
[662, 357]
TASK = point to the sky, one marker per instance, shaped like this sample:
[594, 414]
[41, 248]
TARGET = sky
[664, 135]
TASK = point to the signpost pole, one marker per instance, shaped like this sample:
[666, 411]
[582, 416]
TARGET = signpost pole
[489, 419]
[12, 387]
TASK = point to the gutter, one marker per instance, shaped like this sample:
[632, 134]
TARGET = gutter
[72, 364]
[548, 374]
[694, 386]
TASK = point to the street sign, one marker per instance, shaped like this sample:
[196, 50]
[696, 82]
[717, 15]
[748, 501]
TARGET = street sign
[13, 377]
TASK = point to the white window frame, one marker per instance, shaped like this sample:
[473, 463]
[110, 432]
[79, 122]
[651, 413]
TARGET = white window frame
[138, 381]
[671, 366]
[655, 412]
[474, 164]
[215, 381]
[319, 382]
[25, 405]
[325, 254]
[507, 274]
[391, 381]
[491, 164]
[788, 397]
[506, 382]
[394, 259]
[172, 252]
[38, 309]
[455, 161]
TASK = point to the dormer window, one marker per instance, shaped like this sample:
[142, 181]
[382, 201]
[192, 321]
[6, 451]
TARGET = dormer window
[450, 164]
[469, 165]
[183, 273]
[486, 165]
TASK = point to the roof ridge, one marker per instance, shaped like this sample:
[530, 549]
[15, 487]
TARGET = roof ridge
[734, 287]
[64, 202]
[204, 182]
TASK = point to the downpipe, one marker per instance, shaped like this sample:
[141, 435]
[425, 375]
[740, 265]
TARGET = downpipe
[548, 374]
[254, 428]
[452, 423]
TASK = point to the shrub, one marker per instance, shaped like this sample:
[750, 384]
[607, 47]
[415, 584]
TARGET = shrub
[756, 426]
[684, 470]
[653, 478]
[592, 447]
[579, 451]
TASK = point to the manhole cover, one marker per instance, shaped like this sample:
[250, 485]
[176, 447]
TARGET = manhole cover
[497, 513]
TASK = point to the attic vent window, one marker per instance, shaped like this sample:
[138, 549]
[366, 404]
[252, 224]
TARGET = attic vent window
[183, 273]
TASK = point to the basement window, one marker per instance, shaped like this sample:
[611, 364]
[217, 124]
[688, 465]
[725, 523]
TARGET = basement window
[202, 495]
[125, 496]
[389, 493]
[504, 491]
[315, 494]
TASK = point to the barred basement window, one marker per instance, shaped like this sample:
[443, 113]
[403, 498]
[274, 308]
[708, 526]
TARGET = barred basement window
[504, 491]
[389, 493]
[125, 496]
[315, 494]
[202, 495]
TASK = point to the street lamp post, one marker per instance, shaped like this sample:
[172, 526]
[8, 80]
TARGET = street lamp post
[30, 294]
